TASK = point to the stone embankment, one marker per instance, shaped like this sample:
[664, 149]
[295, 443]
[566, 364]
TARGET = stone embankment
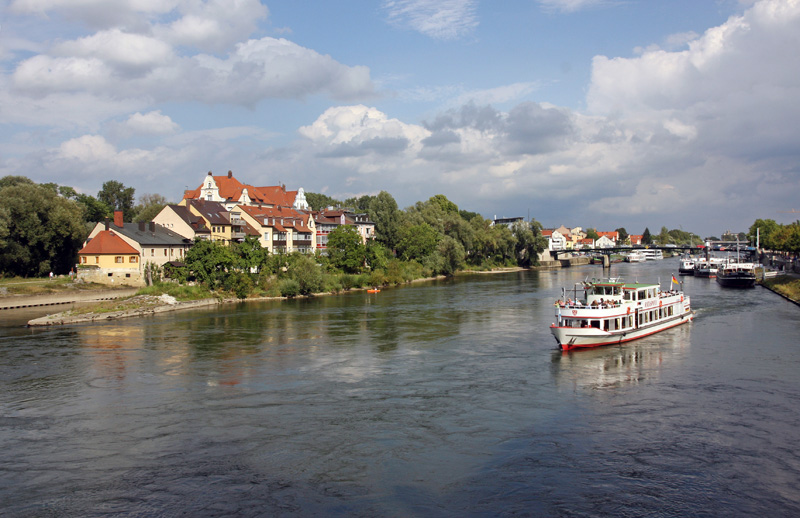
[67, 297]
[138, 307]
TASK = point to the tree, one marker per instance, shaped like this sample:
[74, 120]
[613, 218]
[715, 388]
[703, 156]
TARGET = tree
[320, 201]
[210, 262]
[43, 231]
[529, 242]
[647, 239]
[149, 206]
[417, 241]
[303, 269]
[446, 205]
[360, 204]
[592, 234]
[118, 197]
[252, 256]
[384, 213]
[346, 251]
[452, 255]
[94, 210]
[763, 229]
[623, 234]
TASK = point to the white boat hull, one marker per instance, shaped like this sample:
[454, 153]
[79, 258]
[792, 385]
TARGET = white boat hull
[575, 338]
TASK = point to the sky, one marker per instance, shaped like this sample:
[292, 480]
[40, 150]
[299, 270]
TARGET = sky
[594, 113]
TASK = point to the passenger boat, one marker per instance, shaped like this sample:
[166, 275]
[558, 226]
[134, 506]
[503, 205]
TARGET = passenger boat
[707, 267]
[635, 256]
[686, 266]
[735, 274]
[652, 254]
[614, 312]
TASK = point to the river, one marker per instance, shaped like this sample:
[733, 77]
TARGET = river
[445, 398]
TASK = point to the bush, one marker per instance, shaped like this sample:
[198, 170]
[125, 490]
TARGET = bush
[289, 288]
[377, 278]
[332, 283]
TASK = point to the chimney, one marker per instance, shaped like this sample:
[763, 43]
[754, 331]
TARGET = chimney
[118, 219]
[106, 223]
[152, 227]
[230, 174]
[141, 226]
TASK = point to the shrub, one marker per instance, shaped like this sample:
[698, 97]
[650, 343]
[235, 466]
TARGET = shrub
[377, 278]
[289, 288]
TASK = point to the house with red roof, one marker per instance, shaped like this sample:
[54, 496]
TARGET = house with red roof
[230, 192]
[328, 220]
[109, 259]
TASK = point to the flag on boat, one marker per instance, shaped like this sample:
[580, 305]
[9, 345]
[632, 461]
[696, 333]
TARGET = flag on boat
[675, 280]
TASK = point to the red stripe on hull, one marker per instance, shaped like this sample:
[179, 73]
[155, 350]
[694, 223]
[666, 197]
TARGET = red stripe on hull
[567, 347]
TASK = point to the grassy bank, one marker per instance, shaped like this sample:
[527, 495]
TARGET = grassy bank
[787, 286]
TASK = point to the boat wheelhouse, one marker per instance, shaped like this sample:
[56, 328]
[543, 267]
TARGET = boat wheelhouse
[614, 312]
[735, 274]
[708, 267]
[686, 266]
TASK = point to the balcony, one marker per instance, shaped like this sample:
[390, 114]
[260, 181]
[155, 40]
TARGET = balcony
[301, 243]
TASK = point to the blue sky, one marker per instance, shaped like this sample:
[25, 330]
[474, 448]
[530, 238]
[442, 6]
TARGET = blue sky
[593, 113]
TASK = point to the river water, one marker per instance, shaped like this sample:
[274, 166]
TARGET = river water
[444, 398]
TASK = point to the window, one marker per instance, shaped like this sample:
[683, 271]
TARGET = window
[152, 252]
[96, 259]
[119, 259]
[83, 259]
[133, 259]
[165, 252]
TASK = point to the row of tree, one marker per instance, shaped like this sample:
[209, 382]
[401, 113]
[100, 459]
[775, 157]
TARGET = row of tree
[42, 226]
[775, 236]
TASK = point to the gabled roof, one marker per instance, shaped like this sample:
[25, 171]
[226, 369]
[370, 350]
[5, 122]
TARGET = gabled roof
[150, 234]
[196, 222]
[213, 212]
[611, 235]
[106, 242]
[230, 189]
[279, 218]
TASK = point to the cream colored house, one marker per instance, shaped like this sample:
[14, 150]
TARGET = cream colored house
[181, 220]
[280, 229]
[154, 243]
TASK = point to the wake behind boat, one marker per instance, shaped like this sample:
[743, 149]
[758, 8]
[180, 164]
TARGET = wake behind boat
[613, 312]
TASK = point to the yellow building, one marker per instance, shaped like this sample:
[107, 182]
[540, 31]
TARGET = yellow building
[108, 259]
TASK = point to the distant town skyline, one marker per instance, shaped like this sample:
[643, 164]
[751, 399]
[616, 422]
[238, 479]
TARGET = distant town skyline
[612, 114]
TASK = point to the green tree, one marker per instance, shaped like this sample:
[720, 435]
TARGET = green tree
[647, 239]
[304, 270]
[377, 255]
[43, 231]
[94, 210]
[384, 213]
[252, 256]
[446, 205]
[359, 204]
[320, 201]
[529, 242]
[592, 234]
[148, 207]
[623, 234]
[118, 197]
[210, 262]
[763, 229]
[452, 255]
[346, 251]
[417, 241]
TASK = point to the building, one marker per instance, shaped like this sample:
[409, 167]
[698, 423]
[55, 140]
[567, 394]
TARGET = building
[556, 242]
[328, 220]
[280, 229]
[152, 244]
[109, 259]
[509, 222]
[230, 192]
[604, 241]
[226, 225]
[181, 220]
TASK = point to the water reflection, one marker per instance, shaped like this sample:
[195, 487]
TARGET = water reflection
[619, 366]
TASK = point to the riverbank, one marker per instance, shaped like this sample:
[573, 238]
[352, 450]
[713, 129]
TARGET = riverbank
[787, 286]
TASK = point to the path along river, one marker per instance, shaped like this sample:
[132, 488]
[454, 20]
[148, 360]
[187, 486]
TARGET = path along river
[445, 398]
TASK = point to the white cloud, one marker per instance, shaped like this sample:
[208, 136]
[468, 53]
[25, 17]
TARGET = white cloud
[88, 148]
[151, 123]
[439, 19]
[571, 6]
[120, 50]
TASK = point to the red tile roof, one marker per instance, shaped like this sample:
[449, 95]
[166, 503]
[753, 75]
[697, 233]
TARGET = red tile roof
[106, 242]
